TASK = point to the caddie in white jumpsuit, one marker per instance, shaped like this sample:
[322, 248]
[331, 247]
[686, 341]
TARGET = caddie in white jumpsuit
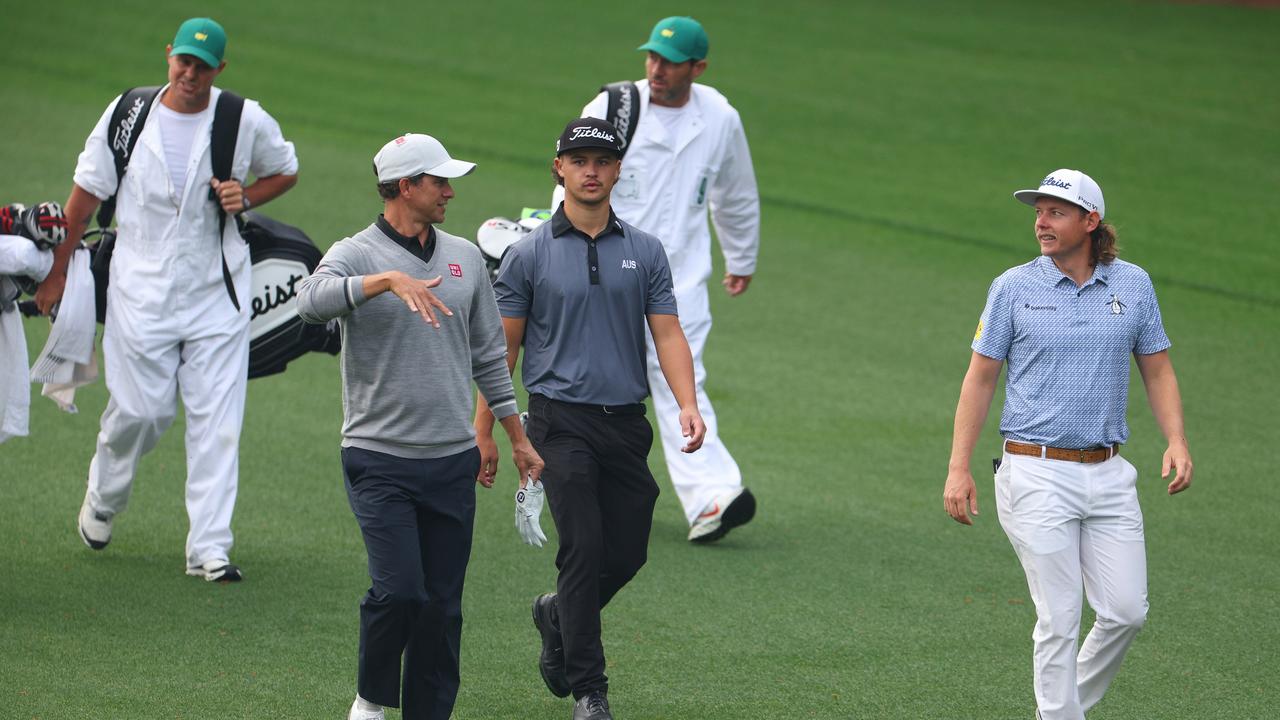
[171, 326]
[1067, 323]
[690, 155]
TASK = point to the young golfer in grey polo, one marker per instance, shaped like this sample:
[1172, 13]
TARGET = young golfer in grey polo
[578, 293]
[408, 450]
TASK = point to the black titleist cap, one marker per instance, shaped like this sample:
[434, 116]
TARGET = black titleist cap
[589, 133]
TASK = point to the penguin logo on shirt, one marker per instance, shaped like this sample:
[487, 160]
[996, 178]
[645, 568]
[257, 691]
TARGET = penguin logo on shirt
[1117, 307]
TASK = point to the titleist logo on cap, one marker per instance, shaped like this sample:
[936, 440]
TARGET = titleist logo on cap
[1055, 182]
[590, 132]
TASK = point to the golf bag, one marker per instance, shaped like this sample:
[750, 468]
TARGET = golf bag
[282, 257]
[497, 235]
[623, 109]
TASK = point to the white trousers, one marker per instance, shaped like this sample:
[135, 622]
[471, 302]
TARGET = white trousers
[1073, 524]
[699, 477]
[144, 375]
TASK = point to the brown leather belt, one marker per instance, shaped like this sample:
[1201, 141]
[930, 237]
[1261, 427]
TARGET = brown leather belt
[1089, 455]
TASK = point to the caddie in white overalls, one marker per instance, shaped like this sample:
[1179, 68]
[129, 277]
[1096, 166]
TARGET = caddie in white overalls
[689, 156]
[171, 326]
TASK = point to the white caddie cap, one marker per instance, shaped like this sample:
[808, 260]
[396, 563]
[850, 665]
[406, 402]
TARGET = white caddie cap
[412, 154]
[1071, 185]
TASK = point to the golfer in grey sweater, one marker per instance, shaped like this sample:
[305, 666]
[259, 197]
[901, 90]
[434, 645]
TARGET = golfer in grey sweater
[419, 324]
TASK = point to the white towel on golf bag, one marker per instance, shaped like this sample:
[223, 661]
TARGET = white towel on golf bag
[67, 360]
[18, 256]
[15, 393]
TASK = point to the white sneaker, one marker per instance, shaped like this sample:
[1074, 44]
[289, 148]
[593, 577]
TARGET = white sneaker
[723, 514]
[95, 527]
[358, 714]
[217, 571]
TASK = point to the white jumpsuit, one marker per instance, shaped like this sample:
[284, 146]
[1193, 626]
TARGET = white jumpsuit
[171, 327]
[666, 188]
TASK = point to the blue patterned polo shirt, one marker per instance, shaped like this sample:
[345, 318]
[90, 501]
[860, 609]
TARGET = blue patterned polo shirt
[1067, 349]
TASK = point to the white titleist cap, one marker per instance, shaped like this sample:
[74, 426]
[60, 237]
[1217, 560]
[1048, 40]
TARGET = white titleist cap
[1071, 185]
[412, 154]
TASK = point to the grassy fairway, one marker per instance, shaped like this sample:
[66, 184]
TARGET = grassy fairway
[887, 139]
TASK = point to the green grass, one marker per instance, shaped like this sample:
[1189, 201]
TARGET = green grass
[887, 138]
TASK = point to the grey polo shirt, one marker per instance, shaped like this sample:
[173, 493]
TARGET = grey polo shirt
[585, 302]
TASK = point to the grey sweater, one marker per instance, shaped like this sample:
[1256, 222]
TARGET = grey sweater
[406, 386]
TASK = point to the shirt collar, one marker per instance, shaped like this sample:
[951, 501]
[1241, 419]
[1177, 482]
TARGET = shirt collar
[560, 224]
[1050, 271]
[421, 250]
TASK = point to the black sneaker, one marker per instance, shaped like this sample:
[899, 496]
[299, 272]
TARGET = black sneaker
[551, 661]
[592, 706]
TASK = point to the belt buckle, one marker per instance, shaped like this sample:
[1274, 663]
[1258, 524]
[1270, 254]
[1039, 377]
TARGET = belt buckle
[605, 409]
[1082, 455]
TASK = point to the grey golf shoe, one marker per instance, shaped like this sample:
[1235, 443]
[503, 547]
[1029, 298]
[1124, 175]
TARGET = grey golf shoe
[593, 706]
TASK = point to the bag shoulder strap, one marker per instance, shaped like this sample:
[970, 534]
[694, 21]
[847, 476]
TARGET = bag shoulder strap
[122, 134]
[226, 126]
[222, 151]
[624, 109]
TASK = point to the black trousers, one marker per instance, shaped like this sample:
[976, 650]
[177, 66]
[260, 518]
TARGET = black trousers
[602, 497]
[416, 517]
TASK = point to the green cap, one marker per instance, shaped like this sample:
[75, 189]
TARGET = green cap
[202, 38]
[678, 39]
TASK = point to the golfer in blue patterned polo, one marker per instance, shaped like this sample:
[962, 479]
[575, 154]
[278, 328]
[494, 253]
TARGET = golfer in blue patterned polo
[1066, 324]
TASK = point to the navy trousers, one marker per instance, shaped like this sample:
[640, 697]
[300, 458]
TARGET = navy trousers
[416, 517]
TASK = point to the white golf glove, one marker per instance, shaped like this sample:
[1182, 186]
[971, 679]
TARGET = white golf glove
[529, 512]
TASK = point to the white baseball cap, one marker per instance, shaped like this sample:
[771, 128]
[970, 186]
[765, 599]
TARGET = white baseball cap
[412, 154]
[1071, 185]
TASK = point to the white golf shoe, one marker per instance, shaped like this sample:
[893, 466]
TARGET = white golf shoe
[95, 527]
[216, 571]
[358, 714]
[723, 514]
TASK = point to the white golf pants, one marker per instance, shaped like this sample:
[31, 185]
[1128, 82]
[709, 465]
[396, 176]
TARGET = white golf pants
[698, 478]
[1075, 524]
[143, 377]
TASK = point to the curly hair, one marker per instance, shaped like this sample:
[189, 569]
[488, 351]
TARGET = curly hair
[1103, 248]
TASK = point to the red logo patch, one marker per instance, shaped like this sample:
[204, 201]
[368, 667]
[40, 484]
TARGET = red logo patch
[401, 140]
[455, 270]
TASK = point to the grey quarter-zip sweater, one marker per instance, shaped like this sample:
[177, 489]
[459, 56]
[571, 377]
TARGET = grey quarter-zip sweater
[407, 386]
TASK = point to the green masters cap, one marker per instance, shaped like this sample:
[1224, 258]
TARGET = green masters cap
[678, 39]
[202, 38]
